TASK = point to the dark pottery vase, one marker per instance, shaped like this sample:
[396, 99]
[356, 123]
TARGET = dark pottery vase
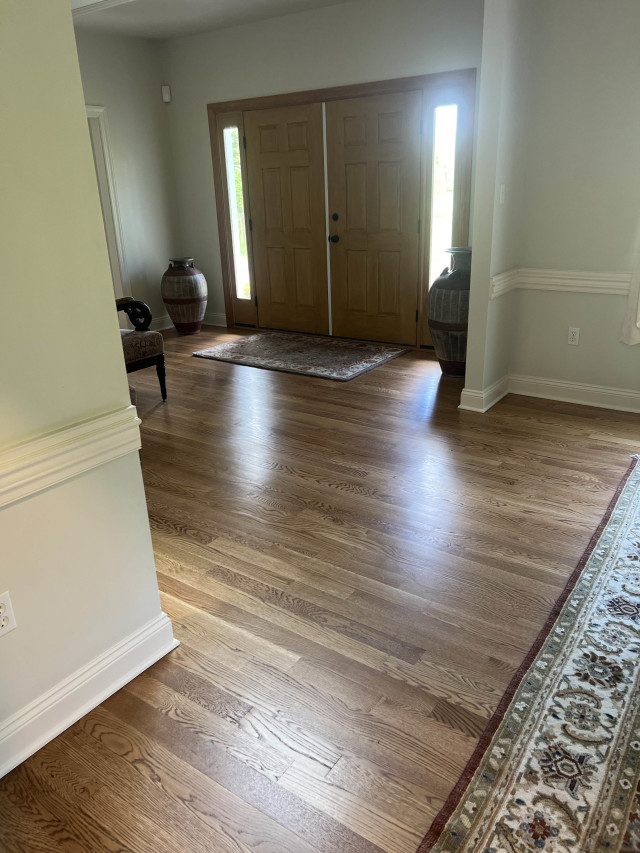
[449, 312]
[184, 292]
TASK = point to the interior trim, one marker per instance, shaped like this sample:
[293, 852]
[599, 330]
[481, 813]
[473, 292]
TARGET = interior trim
[85, 7]
[600, 396]
[99, 114]
[46, 717]
[568, 281]
[482, 401]
[440, 79]
[50, 459]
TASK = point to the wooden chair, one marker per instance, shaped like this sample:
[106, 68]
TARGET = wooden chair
[142, 348]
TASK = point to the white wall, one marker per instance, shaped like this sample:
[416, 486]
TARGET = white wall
[558, 81]
[124, 75]
[75, 549]
[583, 173]
[78, 563]
[356, 42]
[582, 191]
[505, 75]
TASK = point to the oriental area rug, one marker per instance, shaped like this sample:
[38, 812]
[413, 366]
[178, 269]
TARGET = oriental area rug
[312, 355]
[558, 768]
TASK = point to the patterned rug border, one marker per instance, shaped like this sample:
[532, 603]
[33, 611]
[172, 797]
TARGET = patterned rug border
[401, 351]
[452, 801]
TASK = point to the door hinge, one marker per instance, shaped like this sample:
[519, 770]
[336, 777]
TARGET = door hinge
[419, 225]
[250, 224]
[244, 142]
[255, 299]
[416, 315]
[421, 126]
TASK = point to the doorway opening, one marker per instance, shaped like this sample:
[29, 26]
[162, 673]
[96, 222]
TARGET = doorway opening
[98, 133]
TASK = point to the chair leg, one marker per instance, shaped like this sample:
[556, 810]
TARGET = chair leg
[162, 373]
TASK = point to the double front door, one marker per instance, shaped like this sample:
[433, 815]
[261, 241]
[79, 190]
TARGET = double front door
[334, 196]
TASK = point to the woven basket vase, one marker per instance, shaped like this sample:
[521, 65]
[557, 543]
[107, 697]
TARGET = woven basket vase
[449, 313]
[184, 292]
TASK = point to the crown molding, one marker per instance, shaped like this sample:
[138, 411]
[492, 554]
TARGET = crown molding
[85, 7]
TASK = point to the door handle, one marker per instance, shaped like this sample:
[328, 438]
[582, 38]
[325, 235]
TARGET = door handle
[334, 238]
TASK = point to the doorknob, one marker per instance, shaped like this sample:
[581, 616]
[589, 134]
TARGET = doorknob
[335, 217]
[334, 238]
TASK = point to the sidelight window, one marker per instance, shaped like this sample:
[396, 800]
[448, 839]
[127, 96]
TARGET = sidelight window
[444, 160]
[236, 212]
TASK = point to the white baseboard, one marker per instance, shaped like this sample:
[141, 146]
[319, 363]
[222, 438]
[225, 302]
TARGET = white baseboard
[215, 319]
[482, 401]
[50, 714]
[601, 396]
[160, 323]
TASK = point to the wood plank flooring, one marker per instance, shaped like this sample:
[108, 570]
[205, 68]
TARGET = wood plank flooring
[354, 570]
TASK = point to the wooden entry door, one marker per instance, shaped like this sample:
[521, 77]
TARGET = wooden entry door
[373, 151]
[285, 169]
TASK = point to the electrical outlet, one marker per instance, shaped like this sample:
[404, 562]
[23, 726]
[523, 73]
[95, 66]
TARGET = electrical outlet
[7, 619]
[574, 336]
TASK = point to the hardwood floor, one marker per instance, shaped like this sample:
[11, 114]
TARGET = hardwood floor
[354, 570]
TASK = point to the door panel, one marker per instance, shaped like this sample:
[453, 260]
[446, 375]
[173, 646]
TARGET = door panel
[373, 151]
[285, 165]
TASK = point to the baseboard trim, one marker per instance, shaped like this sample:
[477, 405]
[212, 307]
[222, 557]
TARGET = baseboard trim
[50, 714]
[158, 324]
[34, 465]
[567, 281]
[482, 401]
[601, 396]
[215, 319]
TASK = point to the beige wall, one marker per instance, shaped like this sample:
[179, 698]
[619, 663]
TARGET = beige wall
[351, 43]
[75, 555]
[124, 75]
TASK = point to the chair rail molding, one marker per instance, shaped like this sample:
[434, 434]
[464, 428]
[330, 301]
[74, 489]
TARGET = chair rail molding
[49, 459]
[568, 281]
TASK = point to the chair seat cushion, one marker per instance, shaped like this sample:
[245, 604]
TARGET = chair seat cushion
[137, 345]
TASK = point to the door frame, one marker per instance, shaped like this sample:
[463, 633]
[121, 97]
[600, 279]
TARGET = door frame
[438, 88]
[107, 190]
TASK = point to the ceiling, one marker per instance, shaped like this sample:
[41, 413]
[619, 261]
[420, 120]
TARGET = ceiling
[162, 19]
